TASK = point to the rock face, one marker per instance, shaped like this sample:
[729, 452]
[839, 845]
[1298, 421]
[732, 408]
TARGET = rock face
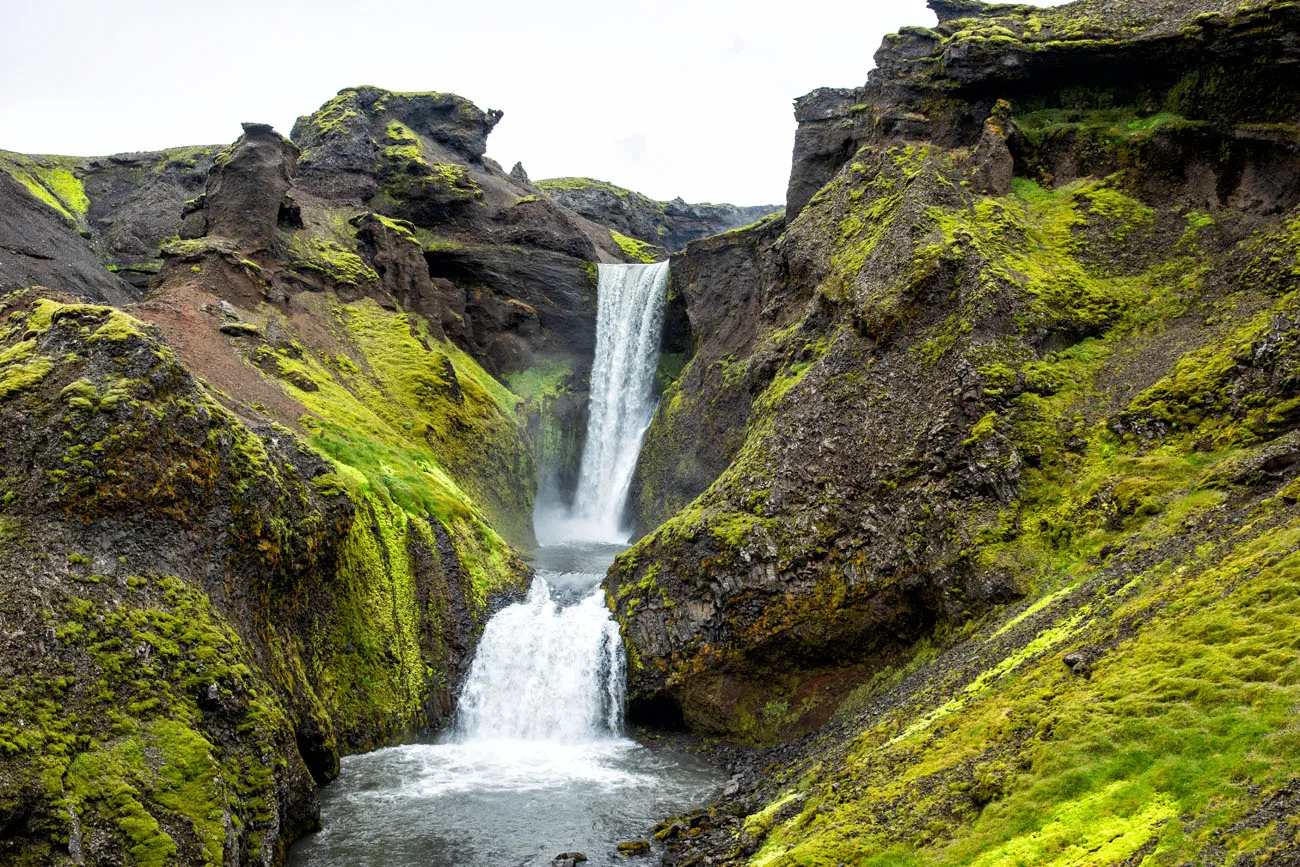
[246, 188]
[185, 603]
[1010, 386]
[671, 225]
[115, 212]
[259, 521]
[37, 246]
[1188, 66]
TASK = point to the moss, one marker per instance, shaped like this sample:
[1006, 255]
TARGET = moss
[545, 378]
[18, 377]
[425, 425]
[118, 327]
[634, 249]
[52, 180]
[401, 228]
[983, 428]
[336, 115]
[121, 745]
[330, 260]
[406, 172]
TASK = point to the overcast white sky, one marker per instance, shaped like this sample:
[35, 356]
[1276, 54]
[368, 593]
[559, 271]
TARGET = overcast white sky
[669, 97]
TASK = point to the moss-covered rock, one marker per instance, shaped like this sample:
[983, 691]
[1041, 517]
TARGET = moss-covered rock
[1013, 503]
[202, 617]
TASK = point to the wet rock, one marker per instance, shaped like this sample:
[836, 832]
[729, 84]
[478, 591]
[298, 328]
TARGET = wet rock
[568, 859]
[634, 847]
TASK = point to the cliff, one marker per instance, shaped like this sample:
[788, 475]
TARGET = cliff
[979, 485]
[670, 225]
[255, 516]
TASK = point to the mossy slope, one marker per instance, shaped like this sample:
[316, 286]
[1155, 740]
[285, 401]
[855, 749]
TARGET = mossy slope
[216, 613]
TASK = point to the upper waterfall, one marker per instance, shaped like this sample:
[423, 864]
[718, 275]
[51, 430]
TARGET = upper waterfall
[629, 320]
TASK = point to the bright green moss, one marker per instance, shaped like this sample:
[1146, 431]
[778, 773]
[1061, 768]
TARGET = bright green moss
[1120, 127]
[52, 180]
[337, 115]
[17, 377]
[331, 260]
[118, 327]
[423, 423]
[634, 249]
[543, 379]
[402, 228]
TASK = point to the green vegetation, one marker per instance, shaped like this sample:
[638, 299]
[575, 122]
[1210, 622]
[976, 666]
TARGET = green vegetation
[329, 259]
[51, 179]
[406, 173]
[634, 249]
[149, 724]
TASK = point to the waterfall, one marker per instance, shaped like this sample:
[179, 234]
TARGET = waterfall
[545, 671]
[629, 319]
[551, 668]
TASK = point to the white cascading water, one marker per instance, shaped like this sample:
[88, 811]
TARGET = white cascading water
[629, 319]
[546, 672]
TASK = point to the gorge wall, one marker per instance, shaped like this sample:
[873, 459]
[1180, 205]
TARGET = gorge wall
[971, 514]
[980, 484]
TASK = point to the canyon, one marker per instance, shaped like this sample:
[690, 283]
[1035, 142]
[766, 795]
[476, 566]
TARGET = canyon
[958, 524]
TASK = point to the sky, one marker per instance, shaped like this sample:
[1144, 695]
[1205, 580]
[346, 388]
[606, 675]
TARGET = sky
[689, 98]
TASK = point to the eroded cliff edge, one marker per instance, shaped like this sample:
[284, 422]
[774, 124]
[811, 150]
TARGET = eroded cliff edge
[981, 480]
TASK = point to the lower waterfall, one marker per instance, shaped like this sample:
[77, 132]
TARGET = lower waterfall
[546, 671]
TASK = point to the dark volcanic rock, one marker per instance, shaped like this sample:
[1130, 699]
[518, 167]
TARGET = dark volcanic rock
[136, 203]
[119, 208]
[823, 141]
[1216, 71]
[830, 464]
[247, 187]
[671, 225]
[39, 247]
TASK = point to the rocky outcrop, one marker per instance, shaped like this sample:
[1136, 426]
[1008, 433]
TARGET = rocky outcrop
[101, 213]
[1186, 89]
[265, 515]
[671, 225]
[783, 486]
[246, 189]
[37, 247]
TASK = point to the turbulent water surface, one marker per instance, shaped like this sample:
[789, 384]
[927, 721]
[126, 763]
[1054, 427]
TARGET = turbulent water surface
[536, 764]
